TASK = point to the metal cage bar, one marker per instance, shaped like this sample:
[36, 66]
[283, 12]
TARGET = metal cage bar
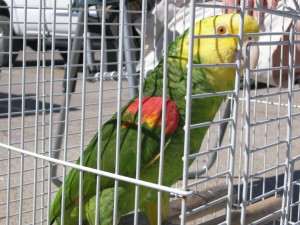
[248, 158]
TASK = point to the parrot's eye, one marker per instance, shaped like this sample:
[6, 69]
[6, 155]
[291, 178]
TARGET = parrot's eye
[221, 29]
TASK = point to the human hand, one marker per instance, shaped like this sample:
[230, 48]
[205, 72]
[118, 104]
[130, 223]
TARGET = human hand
[259, 16]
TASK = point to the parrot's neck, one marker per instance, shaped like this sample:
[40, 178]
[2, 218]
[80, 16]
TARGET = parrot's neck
[203, 109]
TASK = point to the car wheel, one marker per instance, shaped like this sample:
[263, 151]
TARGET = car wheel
[4, 42]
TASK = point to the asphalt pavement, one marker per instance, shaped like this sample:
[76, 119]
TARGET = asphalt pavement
[31, 98]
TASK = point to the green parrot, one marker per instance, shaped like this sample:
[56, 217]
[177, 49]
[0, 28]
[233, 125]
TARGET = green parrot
[204, 80]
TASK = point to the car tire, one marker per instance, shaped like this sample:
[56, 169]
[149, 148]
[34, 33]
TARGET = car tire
[4, 42]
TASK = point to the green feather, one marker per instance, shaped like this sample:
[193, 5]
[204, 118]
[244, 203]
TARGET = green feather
[205, 80]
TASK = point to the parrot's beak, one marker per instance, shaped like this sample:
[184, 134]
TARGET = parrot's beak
[253, 55]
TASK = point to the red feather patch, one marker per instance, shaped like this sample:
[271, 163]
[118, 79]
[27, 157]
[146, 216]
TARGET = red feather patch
[152, 112]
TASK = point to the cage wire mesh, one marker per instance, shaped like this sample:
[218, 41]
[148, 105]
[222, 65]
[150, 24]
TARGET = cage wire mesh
[68, 66]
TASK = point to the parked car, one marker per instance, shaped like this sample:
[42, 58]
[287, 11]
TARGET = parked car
[29, 18]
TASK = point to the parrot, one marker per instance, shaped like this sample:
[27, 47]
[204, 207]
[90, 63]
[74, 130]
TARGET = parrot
[212, 50]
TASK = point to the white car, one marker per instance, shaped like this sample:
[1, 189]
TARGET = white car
[29, 18]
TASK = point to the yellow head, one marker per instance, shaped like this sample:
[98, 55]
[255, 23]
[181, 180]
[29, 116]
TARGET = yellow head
[220, 47]
[221, 50]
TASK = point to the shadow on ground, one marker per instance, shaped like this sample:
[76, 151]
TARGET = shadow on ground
[257, 187]
[33, 63]
[269, 184]
[29, 107]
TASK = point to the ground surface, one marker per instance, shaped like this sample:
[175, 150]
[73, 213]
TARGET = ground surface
[32, 126]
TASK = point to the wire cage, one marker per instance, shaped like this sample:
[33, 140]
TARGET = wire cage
[67, 66]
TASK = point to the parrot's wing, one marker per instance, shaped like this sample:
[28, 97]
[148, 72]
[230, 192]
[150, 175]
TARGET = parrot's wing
[151, 120]
[150, 149]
